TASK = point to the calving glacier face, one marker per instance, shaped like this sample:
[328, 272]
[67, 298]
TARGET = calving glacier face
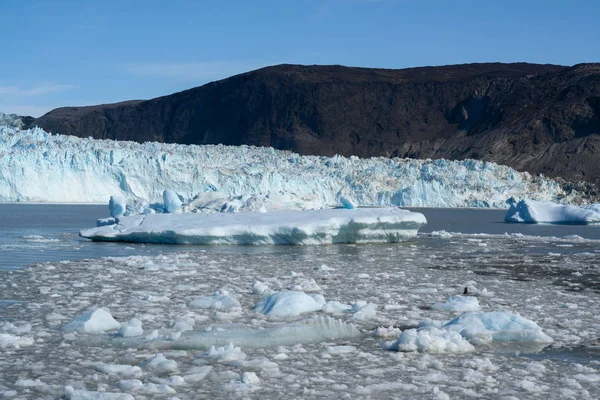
[40, 167]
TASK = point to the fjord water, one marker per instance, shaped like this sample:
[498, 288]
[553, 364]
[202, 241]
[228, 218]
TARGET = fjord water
[31, 233]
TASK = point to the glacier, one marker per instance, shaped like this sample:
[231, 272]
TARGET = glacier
[36, 166]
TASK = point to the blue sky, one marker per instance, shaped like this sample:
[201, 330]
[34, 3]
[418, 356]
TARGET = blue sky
[80, 52]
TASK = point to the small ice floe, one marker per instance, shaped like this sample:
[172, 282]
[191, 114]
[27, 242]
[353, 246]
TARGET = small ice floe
[430, 340]
[159, 363]
[105, 221]
[440, 234]
[289, 304]
[125, 371]
[96, 320]
[363, 311]
[220, 300]
[247, 383]
[324, 268]
[458, 304]
[261, 289]
[473, 328]
[386, 332]
[485, 327]
[197, 374]
[77, 394]
[224, 354]
[531, 211]
[131, 328]
[9, 341]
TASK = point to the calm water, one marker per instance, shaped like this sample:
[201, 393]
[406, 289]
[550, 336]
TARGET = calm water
[31, 233]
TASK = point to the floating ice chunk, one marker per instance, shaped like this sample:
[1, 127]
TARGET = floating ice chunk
[160, 363]
[117, 205]
[305, 285]
[247, 383]
[96, 320]
[74, 394]
[8, 341]
[172, 202]
[336, 308]
[484, 327]
[362, 225]
[130, 385]
[388, 332]
[289, 304]
[19, 329]
[324, 268]
[458, 304]
[261, 289]
[120, 370]
[340, 349]
[431, 340]
[441, 234]
[312, 330]
[197, 374]
[225, 354]
[133, 327]
[363, 312]
[106, 221]
[544, 211]
[220, 300]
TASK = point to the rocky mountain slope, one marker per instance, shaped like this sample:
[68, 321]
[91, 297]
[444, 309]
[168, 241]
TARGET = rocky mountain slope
[536, 118]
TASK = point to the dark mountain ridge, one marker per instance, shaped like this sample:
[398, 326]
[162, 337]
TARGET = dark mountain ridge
[537, 118]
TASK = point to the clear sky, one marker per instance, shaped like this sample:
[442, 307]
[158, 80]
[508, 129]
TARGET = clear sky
[80, 52]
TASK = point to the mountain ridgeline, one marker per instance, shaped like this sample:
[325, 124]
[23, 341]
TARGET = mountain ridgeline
[537, 118]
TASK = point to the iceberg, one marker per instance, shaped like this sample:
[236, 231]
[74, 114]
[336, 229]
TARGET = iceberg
[37, 166]
[472, 328]
[485, 327]
[361, 225]
[531, 211]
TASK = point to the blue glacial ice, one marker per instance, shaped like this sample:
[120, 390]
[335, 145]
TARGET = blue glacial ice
[37, 166]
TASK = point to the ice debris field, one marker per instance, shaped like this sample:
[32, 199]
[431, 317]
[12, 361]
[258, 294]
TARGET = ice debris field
[343, 321]
[37, 166]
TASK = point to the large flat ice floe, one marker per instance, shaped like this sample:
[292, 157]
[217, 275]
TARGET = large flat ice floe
[361, 225]
[39, 167]
[531, 211]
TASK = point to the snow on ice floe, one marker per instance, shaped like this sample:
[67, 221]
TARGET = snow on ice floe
[38, 166]
[531, 211]
[363, 225]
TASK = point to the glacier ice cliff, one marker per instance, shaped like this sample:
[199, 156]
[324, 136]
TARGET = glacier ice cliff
[36, 166]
